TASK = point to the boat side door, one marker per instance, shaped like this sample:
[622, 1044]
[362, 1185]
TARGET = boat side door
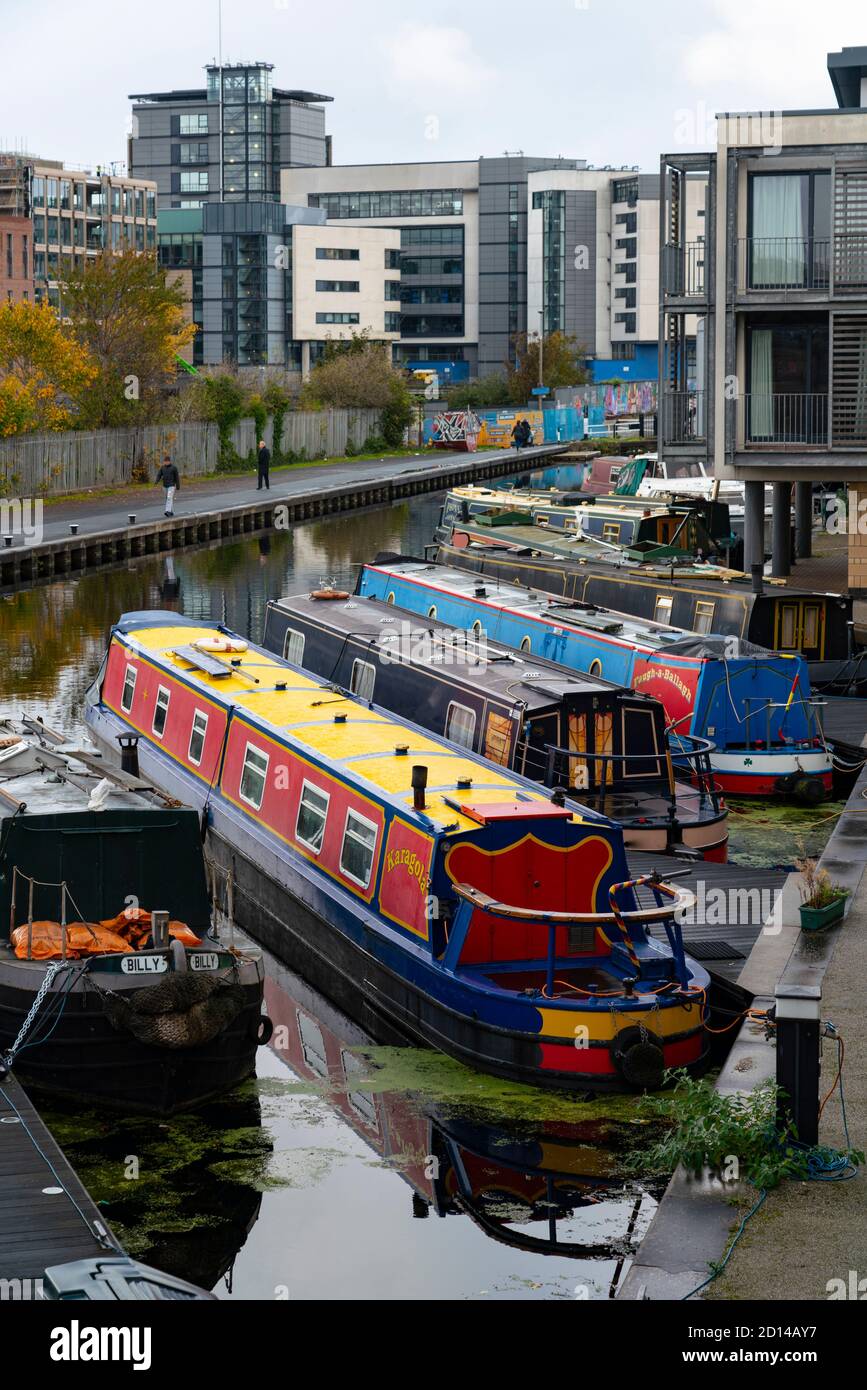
[800, 627]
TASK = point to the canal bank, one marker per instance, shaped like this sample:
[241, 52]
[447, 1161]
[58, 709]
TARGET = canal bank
[806, 1236]
[74, 537]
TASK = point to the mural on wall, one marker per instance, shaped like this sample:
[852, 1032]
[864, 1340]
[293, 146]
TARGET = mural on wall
[497, 426]
[456, 429]
[630, 398]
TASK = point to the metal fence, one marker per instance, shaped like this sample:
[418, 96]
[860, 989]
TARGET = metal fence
[72, 461]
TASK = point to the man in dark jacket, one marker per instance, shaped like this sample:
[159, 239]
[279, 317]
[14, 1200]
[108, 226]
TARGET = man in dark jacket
[170, 478]
[264, 458]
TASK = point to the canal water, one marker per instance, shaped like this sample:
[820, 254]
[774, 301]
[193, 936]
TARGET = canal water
[349, 1168]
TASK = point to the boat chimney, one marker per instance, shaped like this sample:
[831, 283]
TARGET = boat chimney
[419, 783]
[758, 579]
[129, 753]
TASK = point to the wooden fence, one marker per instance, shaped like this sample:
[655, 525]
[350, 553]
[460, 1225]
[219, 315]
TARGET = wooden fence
[42, 465]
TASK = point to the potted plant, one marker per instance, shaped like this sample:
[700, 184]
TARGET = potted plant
[822, 902]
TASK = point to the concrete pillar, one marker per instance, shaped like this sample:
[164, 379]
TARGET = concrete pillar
[803, 520]
[754, 525]
[305, 359]
[781, 550]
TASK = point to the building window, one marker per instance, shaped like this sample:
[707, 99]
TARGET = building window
[194, 123]
[312, 815]
[337, 253]
[128, 693]
[359, 846]
[338, 286]
[440, 202]
[624, 191]
[37, 192]
[293, 647]
[662, 611]
[703, 621]
[161, 711]
[338, 318]
[622, 352]
[392, 323]
[192, 153]
[363, 680]
[194, 181]
[197, 737]
[392, 291]
[255, 771]
[460, 725]
[789, 221]
[392, 259]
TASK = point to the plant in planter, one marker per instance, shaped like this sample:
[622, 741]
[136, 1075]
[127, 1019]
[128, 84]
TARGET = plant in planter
[822, 902]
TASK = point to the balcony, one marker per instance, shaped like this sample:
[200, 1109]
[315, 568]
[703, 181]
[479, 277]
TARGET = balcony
[682, 417]
[781, 421]
[787, 265]
[683, 270]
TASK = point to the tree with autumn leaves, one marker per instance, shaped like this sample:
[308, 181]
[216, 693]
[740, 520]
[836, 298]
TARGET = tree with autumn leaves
[110, 360]
[44, 372]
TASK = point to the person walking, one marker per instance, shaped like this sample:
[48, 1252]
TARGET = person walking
[170, 478]
[518, 435]
[264, 460]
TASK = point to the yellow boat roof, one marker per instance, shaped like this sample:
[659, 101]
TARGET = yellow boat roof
[365, 743]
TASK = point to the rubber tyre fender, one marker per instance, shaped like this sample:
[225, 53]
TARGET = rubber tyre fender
[262, 1030]
[638, 1057]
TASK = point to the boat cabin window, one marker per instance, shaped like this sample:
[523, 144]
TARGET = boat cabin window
[253, 776]
[477, 628]
[363, 679]
[614, 475]
[128, 694]
[313, 1047]
[293, 647]
[703, 621]
[526, 644]
[460, 724]
[161, 711]
[312, 815]
[432, 612]
[390, 597]
[595, 668]
[662, 611]
[197, 737]
[359, 844]
[611, 531]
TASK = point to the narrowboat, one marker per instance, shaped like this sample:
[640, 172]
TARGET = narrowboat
[515, 710]
[697, 597]
[114, 988]
[756, 706]
[604, 526]
[475, 912]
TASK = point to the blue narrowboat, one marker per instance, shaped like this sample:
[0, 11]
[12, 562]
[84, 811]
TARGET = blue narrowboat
[465, 905]
[754, 705]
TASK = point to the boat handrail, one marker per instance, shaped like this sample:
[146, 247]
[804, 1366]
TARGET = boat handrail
[682, 902]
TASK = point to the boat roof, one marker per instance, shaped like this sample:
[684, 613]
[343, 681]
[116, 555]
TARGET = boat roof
[510, 598]
[289, 704]
[584, 550]
[524, 499]
[533, 681]
[49, 776]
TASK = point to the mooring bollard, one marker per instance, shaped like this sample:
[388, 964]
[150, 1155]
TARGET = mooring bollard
[160, 930]
[131, 518]
[7, 541]
[73, 526]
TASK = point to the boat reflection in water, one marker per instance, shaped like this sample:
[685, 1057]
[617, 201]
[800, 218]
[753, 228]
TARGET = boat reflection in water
[522, 1183]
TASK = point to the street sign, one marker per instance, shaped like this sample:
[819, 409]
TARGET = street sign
[541, 391]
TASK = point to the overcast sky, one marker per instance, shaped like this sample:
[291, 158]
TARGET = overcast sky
[610, 81]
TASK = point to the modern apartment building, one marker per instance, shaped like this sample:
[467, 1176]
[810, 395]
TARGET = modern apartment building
[593, 264]
[226, 141]
[270, 285]
[64, 216]
[779, 288]
[485, 242]
[463, 249]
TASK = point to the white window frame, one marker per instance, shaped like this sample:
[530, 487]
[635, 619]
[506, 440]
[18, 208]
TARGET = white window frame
[319, 792]
[595, 667]
[198, 715]
[352, 814]
[130, 671]
[248, 800]
[161, 690]
[662, 600]
[432, 612]
[708, 617]
[290, 633]
[526, 644]
[357, 666]
[465, 709]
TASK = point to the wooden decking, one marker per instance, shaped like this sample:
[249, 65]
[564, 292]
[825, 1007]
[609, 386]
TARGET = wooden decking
[46, 1216]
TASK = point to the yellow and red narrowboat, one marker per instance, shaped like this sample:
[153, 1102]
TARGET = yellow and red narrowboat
[464, 905]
